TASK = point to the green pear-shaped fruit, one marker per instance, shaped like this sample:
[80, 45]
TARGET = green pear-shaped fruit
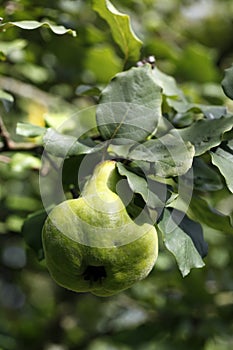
[92, 244]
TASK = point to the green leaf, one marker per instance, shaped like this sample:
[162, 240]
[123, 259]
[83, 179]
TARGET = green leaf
[21, 202]
[183, 106]
[30, 25]
[13, 46]
[32, 229]
[227, 82]
[61, 145]
[139, 185]
[174, 96]
[29, 130]
[103, 63]
[4, 96]
[210, 112]
[35, 73]
[224, 161]
[170, 155]
[179, 244]
[122, 150]
[130, 106]
[2, 56]
[199, 210]
[167, 83]
[230, 144]
[70, 170]
[205, 134]
[6, 99]
[87, 90]
[193, 229]
[20, 162]
[196, 64]
[121, 30]
[205, 178]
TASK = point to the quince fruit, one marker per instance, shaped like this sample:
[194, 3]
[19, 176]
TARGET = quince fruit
[91, 244]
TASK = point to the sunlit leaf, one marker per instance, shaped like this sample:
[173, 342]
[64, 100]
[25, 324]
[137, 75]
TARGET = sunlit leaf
[9, 47]
[34, 73]
[102, 62]
[21, 162]
[30, 25]
[196, 64]
[29, 130]
[120, 27]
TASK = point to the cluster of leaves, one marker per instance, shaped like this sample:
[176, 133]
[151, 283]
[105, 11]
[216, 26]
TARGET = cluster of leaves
[145, 120]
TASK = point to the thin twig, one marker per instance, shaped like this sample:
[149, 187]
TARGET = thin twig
[6, 140]
[8, 145]
[28, 91]
[4, 159]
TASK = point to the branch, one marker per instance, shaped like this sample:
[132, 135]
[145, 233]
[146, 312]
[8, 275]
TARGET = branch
[4, 159]
[8, 145]
[29, 91]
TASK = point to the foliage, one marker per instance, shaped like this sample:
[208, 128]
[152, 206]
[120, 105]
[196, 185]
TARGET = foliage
[67, 100]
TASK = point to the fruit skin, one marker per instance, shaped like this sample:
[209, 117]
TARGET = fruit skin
[79, 257]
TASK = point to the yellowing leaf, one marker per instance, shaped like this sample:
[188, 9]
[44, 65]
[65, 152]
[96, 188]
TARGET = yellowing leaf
[36, 113]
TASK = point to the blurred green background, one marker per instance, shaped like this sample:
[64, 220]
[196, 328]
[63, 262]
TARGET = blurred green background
[45, 72]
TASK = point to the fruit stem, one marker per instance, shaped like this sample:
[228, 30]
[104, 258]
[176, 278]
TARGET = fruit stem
[103, 180]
